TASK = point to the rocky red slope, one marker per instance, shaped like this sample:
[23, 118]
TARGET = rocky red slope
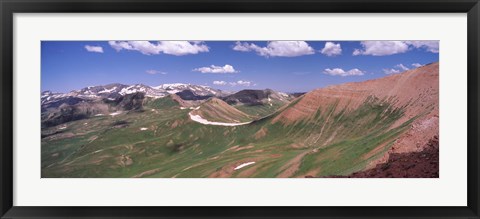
[416, 92]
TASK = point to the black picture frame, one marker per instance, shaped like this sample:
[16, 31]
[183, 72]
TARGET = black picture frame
[9, 7]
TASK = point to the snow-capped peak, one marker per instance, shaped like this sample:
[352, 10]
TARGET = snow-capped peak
[112, 91]
[171, 86]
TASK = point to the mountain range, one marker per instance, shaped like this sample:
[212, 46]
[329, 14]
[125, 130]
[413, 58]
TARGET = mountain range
[113, 91]
[181, 130]
[58, 108]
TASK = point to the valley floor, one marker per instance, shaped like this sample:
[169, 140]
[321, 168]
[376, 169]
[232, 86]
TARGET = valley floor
[168, 142]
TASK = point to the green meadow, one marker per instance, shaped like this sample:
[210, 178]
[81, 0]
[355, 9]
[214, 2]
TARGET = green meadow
[161, 141]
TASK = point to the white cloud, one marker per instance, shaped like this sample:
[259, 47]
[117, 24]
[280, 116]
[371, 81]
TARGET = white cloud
[357, 52]
[416, 65]
[217, 69]
[237, 83]
[220, 82]
[430, 46]
[154, 72]
[97, 49]
[244, 83]
[277, 48]
[119, 45]
[177, 48]
[244, 47]
[396, 69]
[381, 48]
[341, 72]
[391, 71]
[402, 67]
[331, 49]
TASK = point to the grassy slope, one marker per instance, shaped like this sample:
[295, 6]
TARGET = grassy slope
[259, 111]
[175, 146]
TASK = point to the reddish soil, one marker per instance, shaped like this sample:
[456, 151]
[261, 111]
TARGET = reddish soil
[180, 101]
[292, 166]
[423, 164]
[261, 133]
[248, 172]
[147, 173]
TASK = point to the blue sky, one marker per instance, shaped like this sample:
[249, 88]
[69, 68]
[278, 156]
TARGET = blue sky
[289, 66]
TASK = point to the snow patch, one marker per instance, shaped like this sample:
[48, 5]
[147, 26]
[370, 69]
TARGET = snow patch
[173, 91]
[201, 120]
[99, 114]
[107, 90]
[243, 165]
[115, 113]
[155, 96]
[143, 129]
[127, 90]
[165, 86]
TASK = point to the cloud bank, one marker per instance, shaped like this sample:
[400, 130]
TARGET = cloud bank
[176, 48]
[331, 49]
[343, 73]
[397, 69]
[277, 48]
[416, 65]
[216, 69]
[384, 48]
[97, 49]
[235, 83]
[155, 72]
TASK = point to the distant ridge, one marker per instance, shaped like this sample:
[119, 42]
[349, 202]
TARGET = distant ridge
[216, 110]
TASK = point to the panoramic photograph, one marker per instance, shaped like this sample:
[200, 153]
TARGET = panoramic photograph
[240, 109]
